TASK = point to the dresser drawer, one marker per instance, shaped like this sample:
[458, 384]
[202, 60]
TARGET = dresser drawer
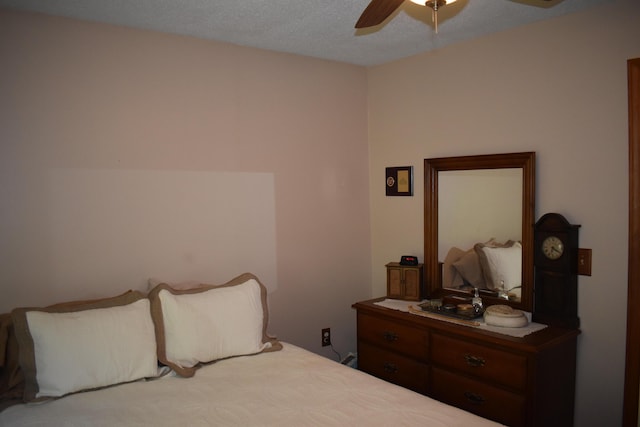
[494, 365]
[479, 398]
[392, 367]
[393, 336]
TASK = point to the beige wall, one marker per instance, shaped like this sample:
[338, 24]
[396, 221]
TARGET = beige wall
[558, 88]
[129, 154]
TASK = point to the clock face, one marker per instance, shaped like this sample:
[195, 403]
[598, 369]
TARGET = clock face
[552, 247]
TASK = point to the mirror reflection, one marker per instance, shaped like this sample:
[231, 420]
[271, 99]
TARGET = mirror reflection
[480, 230]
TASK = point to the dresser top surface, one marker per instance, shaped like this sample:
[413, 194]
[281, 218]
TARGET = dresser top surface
[549, 336]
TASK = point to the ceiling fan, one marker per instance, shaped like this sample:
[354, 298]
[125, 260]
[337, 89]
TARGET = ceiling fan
[379, 10]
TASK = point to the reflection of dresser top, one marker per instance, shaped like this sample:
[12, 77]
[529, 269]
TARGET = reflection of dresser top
[528, 381]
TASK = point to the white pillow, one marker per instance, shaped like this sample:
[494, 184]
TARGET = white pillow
[210, 323]
[88, 349]
[503, 265]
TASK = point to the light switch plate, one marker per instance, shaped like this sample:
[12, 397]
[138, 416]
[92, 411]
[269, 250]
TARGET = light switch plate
[584, 262]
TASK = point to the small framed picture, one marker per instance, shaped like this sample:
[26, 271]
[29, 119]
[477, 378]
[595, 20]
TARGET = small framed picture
[399, 181]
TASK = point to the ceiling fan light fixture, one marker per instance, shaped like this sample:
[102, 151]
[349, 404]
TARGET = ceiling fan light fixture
[429, 3]
[434, 5]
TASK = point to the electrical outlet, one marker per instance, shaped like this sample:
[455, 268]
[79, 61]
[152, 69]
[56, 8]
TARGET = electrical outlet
[326, 337]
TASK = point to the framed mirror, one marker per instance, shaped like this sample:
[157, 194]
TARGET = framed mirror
[478, 227]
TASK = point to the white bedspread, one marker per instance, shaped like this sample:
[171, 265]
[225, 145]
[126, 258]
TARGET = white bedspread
[292, 387]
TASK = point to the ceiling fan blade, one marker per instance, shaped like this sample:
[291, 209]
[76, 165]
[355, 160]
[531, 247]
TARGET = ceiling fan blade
[377, 12]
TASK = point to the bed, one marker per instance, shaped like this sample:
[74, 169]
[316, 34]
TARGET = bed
[239, 376]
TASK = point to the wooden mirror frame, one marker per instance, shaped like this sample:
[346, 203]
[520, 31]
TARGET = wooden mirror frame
[526, 161]
[632, 364]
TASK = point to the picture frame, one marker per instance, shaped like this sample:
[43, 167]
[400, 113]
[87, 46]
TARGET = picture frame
[399, 181]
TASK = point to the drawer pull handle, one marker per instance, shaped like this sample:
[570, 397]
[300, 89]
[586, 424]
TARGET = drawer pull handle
[390, 336]
[474, 361]
[390, 368]
[474, 398]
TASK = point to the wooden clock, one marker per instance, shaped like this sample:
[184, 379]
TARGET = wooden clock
[556, 276]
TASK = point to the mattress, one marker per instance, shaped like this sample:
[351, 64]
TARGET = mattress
[291, 387]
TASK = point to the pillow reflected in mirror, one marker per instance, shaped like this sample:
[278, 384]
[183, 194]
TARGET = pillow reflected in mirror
[468, 266]
[489, 265]
[501, 266]
[451, 278]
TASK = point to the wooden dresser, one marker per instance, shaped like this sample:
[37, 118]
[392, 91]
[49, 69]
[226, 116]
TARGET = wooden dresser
[526, 381]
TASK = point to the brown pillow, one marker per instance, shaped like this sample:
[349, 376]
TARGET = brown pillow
[469, 268]
[11, 376]
[450, 276]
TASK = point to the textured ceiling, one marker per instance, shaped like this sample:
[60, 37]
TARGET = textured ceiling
[317, 28]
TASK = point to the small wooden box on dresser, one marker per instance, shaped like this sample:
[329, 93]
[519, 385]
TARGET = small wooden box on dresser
[405, 281]
[526, 381]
